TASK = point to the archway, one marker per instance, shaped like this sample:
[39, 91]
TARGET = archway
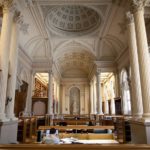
[74, 101]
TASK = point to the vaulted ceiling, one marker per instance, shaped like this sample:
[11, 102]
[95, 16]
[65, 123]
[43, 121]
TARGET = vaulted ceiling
[72, 34]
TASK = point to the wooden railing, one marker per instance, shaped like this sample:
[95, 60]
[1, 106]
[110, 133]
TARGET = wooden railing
[27, 127]
[75, 147]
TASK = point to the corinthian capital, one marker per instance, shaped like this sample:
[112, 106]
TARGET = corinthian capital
[98, 71]
[129, 18]
[7, 5]
[137, 5]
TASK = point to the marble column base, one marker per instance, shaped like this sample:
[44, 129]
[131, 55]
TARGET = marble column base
[3, 117]
[140, 131]
[8, 132]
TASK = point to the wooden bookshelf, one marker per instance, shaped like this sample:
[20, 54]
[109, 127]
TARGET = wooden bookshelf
[40, 89]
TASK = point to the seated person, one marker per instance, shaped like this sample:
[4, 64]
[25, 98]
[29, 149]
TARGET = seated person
[90, 130]
[62, 123]
[51, 138]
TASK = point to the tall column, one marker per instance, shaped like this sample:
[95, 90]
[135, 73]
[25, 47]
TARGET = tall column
[117, 88]
[94, 97]
[4, 52]
[58, 98]
[86, 99]
[99, 100]
[106, 106]
[63, 102]
[91, 96]
[106, 102]
[50, 94]
[82, 101]
[137, 106]
[55, 97]
[13, 58]
[112, 101]
[143, 54]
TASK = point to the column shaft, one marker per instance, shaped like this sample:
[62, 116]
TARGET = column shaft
[58, 98]
[112, 103]
[63, 99]
[91, 96]
[4, 53]
[99, 100]
[50, 94]
[106, 107]
[94, 98]
[13, 59]
[143, 55]
[117, 90]
[137, 106]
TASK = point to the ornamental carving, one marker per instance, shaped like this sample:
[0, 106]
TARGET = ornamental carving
[8, 6]
[129, 18]
[18, 18]
[137, 5]
[72, 19]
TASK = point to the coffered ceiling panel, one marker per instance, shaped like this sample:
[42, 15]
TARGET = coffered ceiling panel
[75, 60]
[72, 18]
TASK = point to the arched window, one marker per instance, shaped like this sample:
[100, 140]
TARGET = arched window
[126, 101]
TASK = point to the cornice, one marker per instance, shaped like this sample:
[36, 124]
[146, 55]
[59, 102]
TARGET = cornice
[100, 64]
[75, 80]
[106, 66]
[53, 2]
[41, 66]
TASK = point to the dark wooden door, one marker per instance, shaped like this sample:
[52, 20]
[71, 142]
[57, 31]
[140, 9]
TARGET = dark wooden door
[118, 106]
[20, 98]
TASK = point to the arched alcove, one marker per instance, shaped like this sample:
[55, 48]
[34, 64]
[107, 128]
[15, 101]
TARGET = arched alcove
[74, 100]
[126, 100]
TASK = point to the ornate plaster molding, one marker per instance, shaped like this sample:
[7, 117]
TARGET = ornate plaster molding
[18, 18]
[8, 6]
[129, 18]
[137, 5]
[24, 28]
[106, 65]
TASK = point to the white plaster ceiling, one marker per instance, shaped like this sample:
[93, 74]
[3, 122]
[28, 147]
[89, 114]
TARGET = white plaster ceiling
[72, 19]
[73, 33]
[75, 60]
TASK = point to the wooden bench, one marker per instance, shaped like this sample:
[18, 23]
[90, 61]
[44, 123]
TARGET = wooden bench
[27, 127]
[77, 127]
[75, 122]
[86, 136]
[75, 147]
